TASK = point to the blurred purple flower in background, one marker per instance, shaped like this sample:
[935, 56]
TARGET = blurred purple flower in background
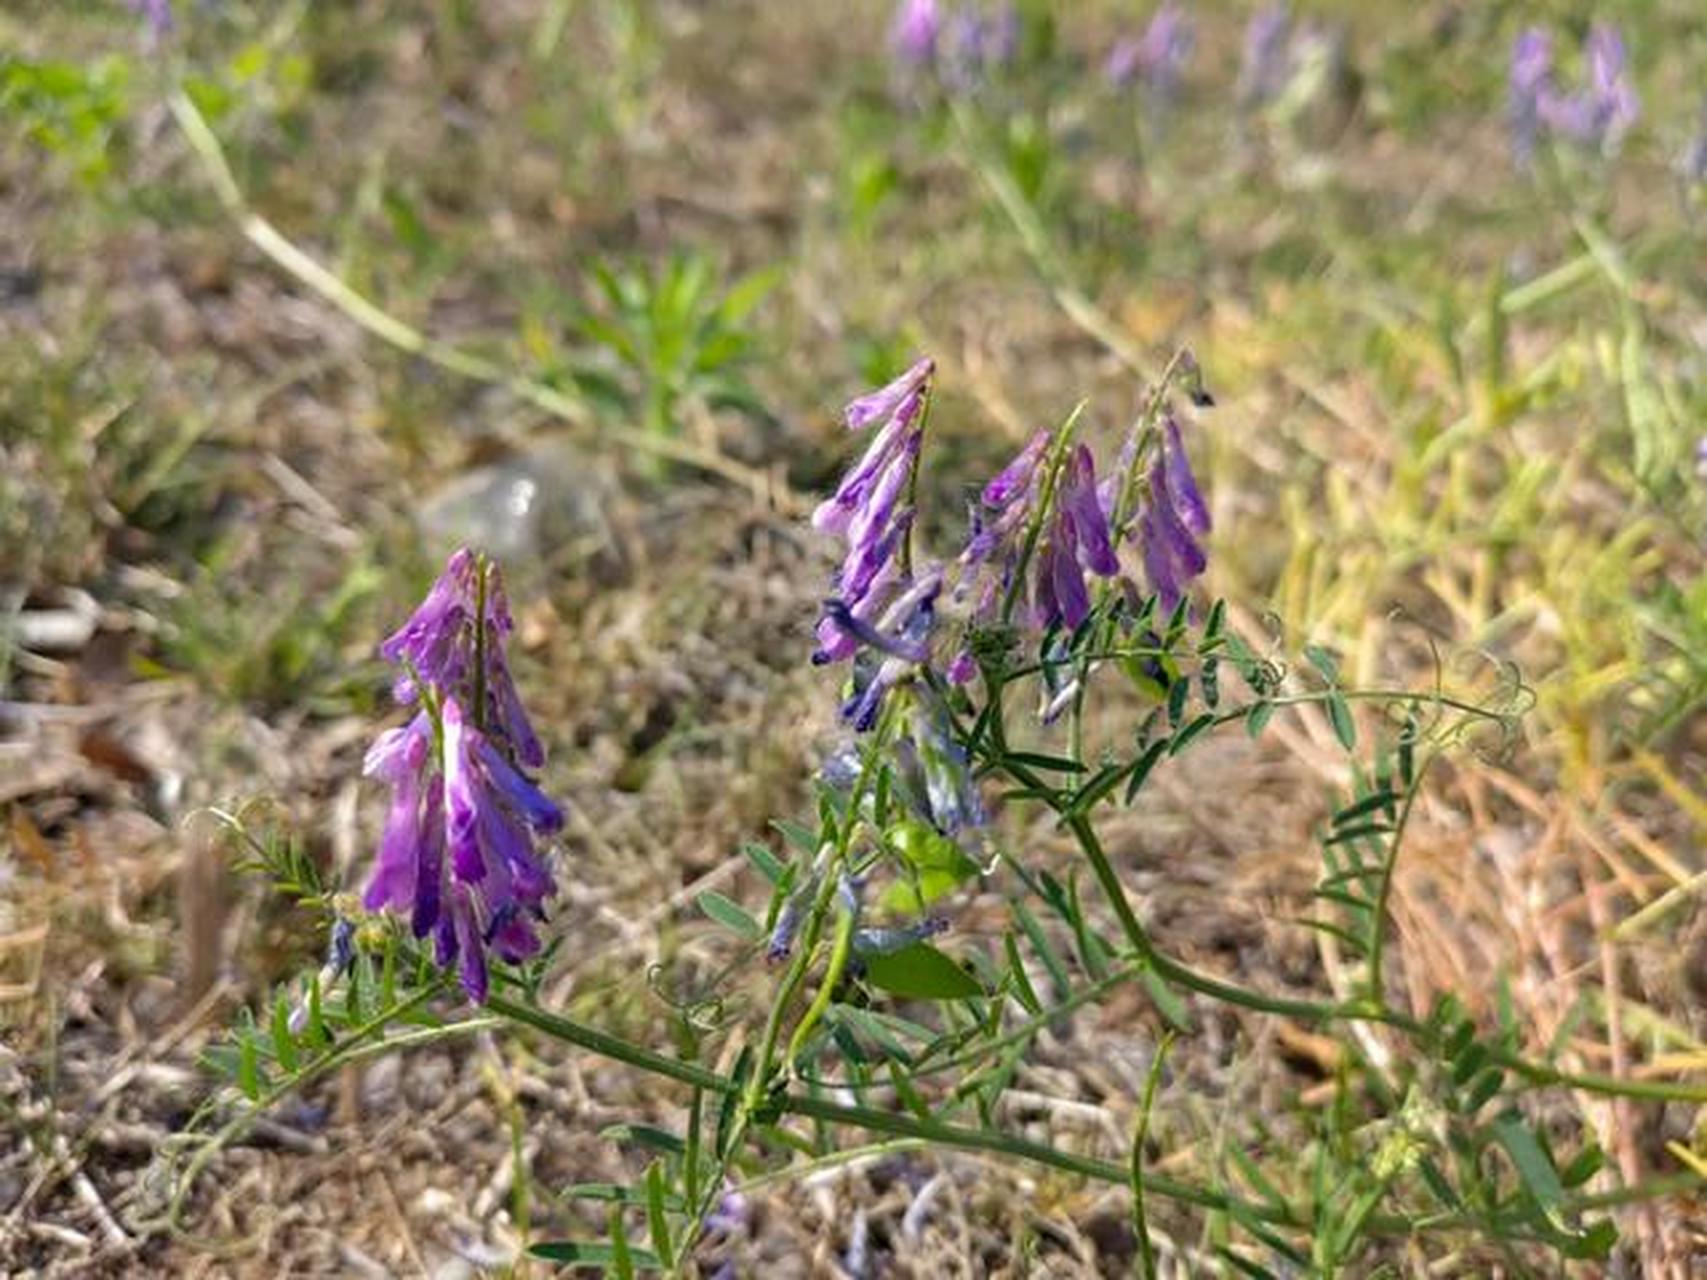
[458, 849]
[1156, 59]
[1266, 64]
[156, 15]
[1530, 77]
[978, 43]
[916, 32]
[1595, 118]
[961, 46]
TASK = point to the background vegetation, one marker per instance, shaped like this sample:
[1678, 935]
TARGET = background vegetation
[631, 258]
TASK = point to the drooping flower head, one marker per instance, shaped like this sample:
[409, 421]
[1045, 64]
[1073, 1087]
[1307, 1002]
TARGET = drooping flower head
[458, 850]
[876, 604]
[455, 641]
[1171, 520]
[1073, 538]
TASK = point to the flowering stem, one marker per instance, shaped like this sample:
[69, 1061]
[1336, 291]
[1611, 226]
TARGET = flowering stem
[840, 948]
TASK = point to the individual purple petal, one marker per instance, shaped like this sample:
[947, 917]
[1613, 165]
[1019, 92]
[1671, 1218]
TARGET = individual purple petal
[1072, 603]
[1159, 566]
[1172, 556]
[399, 858]
[1015, 478]
[869, 523]
[867, 634]
[884, 402]
[835, 513]
[1082, 510]
[506, 718]
[1187, 498]
[512, 936]
[517, 875]
[528, 802]
[471, 948]
[439, 616]
[462, 797]
[962, 667]
[429, 873]
[873, 560]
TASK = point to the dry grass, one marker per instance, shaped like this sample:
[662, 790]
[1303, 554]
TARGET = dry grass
[663, 643]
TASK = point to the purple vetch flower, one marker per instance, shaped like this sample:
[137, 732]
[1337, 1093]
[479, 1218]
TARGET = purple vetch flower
[458, 850]
[442, 644]
[993, 547]
[729, 1217]
[1529, 81]
[870, 509]
[1266, 65]
[1596, 117]
[915, 33]
[884, 402]
[977, 43]
[1171, 520]
[1616, 104]
[1701, 459]
[1076, 539]
[156, 15]
[893, 647]
[1158, 57]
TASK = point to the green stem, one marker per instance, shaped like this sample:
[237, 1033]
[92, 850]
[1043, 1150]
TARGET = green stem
[1384, 889]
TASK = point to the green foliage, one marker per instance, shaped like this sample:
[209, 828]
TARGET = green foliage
[669, 339]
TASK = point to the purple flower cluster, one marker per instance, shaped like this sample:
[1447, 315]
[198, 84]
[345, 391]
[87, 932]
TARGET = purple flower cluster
[879, 610]
[1157, 58]
[1073, 539]
[1596, 117]
[963, 45]
[458, 850]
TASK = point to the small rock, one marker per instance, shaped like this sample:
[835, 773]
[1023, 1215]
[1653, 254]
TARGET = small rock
[524, 509]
